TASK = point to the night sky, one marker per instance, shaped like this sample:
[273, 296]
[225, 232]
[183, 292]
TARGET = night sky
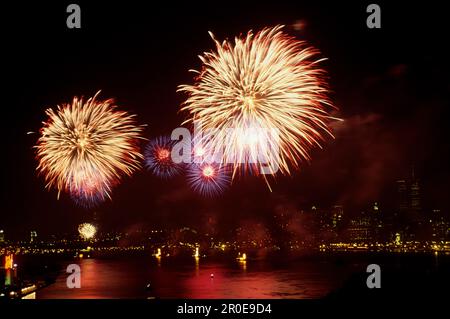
[391, 86]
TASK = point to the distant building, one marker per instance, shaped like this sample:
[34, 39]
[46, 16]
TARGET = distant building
[408, 218]
[2, 236]
[377, 225]
[402, 197]
[414, 197]
[33, 236]
[10, 270]
[337, 216]
[440, 226]
[327, 222]
[408, 195]
[360, 229]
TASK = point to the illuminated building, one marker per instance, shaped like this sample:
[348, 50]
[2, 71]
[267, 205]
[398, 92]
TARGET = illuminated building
[10, 270]
[282, 222]
[360, 229]
[377, 223]
[33, 236]
[2, 236]
[329, 222]
[440, 226]
[402, 197]
[399, 221]
[322, 217]
[414, 194]
[9, 261]
[416, 217]
[337, 215]
[408, 217]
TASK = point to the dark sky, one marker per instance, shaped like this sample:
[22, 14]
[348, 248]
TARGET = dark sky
[391, 86]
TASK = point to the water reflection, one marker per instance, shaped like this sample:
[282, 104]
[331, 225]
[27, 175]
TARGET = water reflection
[243, 265]
[192, 278]
[197, 267]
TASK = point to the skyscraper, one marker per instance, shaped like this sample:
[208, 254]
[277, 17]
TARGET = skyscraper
[409, 217]
[377, 223]
[416, 217]
[402, 197]
[414, 197]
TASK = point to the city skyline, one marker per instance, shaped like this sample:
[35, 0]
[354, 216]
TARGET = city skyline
[407, 222]
[408, 201]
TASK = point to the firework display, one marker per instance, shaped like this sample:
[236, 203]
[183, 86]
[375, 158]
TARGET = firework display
[265, 99]
[209, 179]
[86, 147]
[87, 231]
[260, 103]
[158, 158]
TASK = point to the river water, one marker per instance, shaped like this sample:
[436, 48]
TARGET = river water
[127, 277]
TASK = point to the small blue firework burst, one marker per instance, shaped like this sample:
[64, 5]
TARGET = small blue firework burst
[209, 179]
[158, 157]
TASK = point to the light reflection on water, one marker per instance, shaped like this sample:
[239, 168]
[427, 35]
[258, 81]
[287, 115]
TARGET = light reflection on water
[127, 278]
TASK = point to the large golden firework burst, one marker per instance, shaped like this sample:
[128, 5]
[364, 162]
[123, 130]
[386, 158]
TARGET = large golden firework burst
[260, 83]
[86, 146]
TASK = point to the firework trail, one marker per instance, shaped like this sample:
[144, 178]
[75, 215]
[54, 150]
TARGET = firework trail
[86, 147]
[158, 157]
[265, 98]
[209, 179]
[87, 230]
